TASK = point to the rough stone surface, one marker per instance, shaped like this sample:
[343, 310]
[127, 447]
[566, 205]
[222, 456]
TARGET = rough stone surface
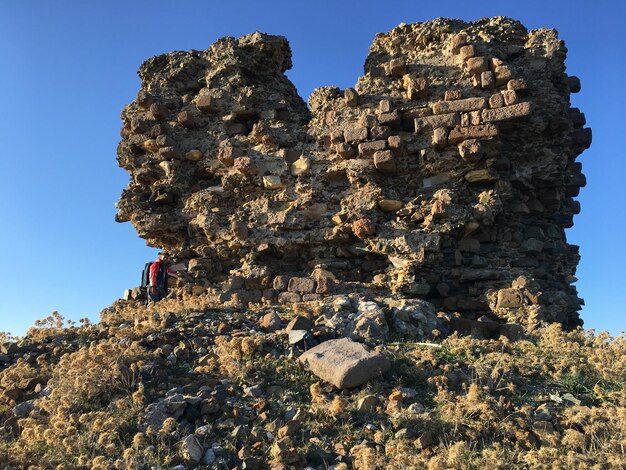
[220, 136]
[344, 363]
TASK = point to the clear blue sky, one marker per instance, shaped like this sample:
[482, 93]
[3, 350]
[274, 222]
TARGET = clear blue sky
[68, 68]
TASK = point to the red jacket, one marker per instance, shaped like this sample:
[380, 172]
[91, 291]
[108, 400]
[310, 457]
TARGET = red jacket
[154, 272]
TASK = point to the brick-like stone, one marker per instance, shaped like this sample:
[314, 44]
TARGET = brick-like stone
[158, 111]
[476, 65]
[384, 161]
[470, 150]
[484, 131]
[510, 97]
[204, 104]
[289, 297]
[384, 106]
[394, 142]
[503, 75]
[509, 298]
[280, 283]
[481, 176]
[355, 134]
[451, 95]
[467, 52]
[496, 100]
[416, 88]
[517, 84]
[367, 149]
[351, 97]
[441, 120]
[458, 41]
[380, 132]
[344, 150]
[516, 111]
[487, 80]
[397, 67]
[344, 363]
[391, 119]
[302, 285]
[440, 137]
[467, 104]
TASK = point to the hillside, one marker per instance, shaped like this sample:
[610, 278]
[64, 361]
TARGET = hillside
[195, 387]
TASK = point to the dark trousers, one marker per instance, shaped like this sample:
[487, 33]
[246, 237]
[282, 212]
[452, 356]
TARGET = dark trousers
[156, 294]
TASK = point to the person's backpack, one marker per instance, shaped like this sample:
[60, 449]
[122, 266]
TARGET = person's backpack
[145, 275]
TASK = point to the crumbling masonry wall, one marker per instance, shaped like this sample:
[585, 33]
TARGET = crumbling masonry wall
[447, 173]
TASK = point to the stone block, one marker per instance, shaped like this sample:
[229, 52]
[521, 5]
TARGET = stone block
[236, 128]
[487, 80]
[365, 120]
[397, 67]
[510, 97]
[470, 150]
[469, 245]
[301, 285]
[355, 134]
[496, 100]
[336, 137]
[509, 298]
[394, 142]
[441, 120]
[384, 161]
[344, 363]
[517, 84]
[484, 131]
[467, 52]
[482, 176]
[367, 149]
[476, 65]
[351, 97]
[204, 103]
[516, 111]
[451, 95]
[459, 40]
[289, 297]
[503, 75]
[384, 106]
[416, 88]
[344, 150]
[467, 104]
[380, 132]
[280, 283]
[391, 119]
[440, 137]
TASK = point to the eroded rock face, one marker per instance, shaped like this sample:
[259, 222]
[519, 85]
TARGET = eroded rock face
[447, 173]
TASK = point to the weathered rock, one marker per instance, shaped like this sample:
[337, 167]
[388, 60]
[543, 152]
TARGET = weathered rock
[314, 185]
[191, 449]
[344, 363]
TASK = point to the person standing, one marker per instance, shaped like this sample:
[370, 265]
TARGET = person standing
[159, 271]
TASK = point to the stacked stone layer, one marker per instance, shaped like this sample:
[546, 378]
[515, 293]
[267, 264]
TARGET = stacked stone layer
[447, 173]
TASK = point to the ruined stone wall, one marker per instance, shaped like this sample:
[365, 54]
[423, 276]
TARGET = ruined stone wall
[447, 173]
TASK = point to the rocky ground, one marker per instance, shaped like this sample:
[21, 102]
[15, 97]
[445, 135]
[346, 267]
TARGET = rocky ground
[181, 385]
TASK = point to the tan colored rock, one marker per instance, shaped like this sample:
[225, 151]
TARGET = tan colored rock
[301, 166]
[470, 150]
[194, 155]
[344, 363]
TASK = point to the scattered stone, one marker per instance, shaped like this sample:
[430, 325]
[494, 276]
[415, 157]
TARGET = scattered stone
[344, 363]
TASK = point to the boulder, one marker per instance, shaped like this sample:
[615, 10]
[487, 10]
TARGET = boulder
[344, 363]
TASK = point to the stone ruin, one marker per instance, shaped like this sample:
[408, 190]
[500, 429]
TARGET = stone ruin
[446, 174]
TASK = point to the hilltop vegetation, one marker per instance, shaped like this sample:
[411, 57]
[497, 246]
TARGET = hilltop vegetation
[184, 385]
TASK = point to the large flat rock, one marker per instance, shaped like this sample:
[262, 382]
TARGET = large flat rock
[344, 363]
